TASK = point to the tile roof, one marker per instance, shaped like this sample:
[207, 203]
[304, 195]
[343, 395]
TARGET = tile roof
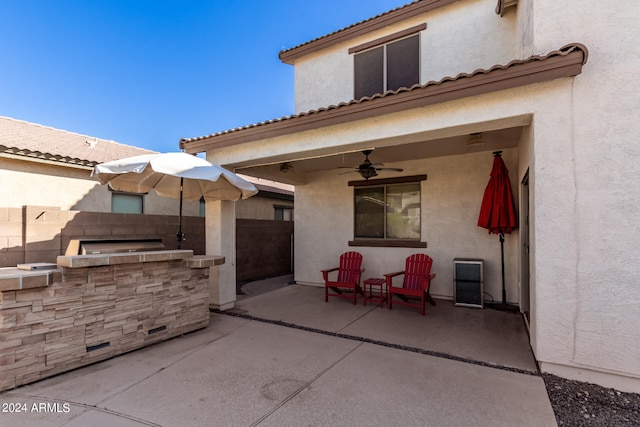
[24, 139]
[566, 61]
[274, 190]
[377, 22]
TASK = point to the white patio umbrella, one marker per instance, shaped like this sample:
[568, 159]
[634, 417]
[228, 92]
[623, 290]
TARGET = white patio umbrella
[178, 175]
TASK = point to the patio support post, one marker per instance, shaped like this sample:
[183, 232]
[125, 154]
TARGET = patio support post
[220, 235]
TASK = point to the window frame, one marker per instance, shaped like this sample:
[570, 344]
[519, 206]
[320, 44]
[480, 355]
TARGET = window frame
[385, 241]
[382, 43]
[202, 208]
[123, 193]
[283, 208]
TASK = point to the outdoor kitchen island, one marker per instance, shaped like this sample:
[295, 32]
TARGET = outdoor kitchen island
[88, 308]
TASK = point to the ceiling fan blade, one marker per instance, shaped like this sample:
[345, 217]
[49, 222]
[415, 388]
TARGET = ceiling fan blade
[368, 168]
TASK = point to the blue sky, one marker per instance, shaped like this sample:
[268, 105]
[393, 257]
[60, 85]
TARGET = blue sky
[149, 72]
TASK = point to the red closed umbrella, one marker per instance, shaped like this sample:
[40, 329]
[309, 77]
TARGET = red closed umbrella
[498, 211]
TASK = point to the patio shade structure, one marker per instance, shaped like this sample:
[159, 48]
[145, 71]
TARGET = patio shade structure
[498, 212]
[177, 175]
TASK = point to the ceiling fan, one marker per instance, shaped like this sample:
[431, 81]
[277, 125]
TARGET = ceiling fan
[369, 170]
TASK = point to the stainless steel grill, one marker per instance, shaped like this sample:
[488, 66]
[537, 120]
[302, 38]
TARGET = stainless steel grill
[112, 246]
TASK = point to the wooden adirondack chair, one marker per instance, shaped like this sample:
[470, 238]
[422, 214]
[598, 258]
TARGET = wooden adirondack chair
[349, 274]
[417, 278]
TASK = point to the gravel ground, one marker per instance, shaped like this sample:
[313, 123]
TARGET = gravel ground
[582, 404]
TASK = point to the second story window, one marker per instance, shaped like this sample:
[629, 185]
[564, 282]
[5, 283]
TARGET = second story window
[388, 66]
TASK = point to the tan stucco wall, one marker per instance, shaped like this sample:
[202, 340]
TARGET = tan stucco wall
[32, 183]
[450, 203]
[28, 183]
[465, 27]
[587, 206]
[258, 207]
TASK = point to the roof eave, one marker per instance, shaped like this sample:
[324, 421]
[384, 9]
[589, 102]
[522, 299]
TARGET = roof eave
[275, 195]
[38, 157]
[361, 28]
[565, 62]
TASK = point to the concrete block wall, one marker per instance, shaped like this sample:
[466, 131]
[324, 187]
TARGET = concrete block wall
[11, 237]
[41, 233]
[263, 248]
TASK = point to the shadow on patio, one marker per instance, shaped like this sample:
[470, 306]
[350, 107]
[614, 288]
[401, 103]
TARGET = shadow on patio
[480, 336]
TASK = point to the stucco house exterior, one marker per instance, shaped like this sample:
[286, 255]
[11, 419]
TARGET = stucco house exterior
[47, 197]
[551, 84]
[274, 201]
[45, 166]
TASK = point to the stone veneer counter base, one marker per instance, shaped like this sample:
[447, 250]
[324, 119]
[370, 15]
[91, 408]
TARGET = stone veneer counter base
[93, 307]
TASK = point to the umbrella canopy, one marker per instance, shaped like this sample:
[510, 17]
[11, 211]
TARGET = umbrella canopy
[163, 173]
[178, 175]
[498, 212]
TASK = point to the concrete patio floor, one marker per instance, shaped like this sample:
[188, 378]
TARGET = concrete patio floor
[481, 335]
[287, 358]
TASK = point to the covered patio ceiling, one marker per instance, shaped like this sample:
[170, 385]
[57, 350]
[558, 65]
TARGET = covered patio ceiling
[294, 167]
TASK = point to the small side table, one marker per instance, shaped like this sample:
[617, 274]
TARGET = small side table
[369, 295]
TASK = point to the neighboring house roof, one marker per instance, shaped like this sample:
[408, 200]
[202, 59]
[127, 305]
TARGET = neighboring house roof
[363, 27]
[274, 192]
[20, 139]
[564, 62]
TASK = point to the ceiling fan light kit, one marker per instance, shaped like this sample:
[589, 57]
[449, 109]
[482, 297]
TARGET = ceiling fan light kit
[475, 141]
[286, 167]
[368, 173]
[369, 170]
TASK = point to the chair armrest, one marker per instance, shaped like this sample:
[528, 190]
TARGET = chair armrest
[325, 273]
[426, 281]
[389, 276]
[397, 273]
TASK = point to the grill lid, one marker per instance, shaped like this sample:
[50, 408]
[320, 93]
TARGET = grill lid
[112, 246]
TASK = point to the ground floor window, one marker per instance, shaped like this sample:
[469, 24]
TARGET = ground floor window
[283, 213]
[127, 203]
[387, 212]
